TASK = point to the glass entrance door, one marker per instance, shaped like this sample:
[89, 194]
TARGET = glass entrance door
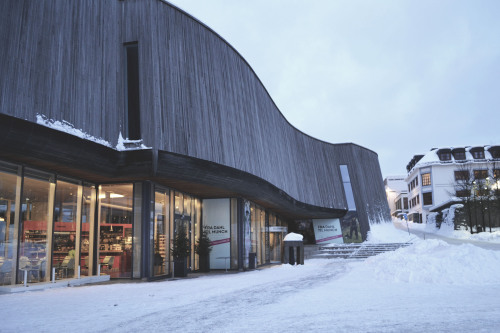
[115, 229]
[275, 241]
[161, 233]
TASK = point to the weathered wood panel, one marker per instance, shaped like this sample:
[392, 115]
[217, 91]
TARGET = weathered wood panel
[199, 98]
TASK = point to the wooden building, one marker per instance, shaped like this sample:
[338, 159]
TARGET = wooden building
[207, 147]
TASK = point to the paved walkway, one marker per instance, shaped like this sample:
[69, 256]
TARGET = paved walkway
[455, 241]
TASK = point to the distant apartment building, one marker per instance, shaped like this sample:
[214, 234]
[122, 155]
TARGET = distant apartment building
[397, 195]
[436, 180]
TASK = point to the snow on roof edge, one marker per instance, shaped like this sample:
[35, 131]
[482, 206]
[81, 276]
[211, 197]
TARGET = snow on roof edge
[66, 127]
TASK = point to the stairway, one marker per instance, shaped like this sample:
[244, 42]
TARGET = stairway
[356, 251]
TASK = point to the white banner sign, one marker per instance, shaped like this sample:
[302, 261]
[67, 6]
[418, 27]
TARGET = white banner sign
[216, 221]
[327, 231]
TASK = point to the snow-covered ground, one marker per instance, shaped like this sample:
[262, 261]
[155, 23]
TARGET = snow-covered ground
[429, 286]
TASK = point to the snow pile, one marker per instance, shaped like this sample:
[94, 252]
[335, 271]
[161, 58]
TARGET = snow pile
[293, 237]
[126, 144]
[387, 233]
[434, 262]
[449, 215]
[491, 237]
[66, 127]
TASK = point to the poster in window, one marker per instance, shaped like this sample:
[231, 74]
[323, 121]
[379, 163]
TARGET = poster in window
[351, 231]
[216, 218]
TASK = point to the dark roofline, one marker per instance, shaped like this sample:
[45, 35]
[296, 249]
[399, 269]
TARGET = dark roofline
[24, 142]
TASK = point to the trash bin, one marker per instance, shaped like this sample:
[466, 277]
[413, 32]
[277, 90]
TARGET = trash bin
[252, 260]
[293, 249]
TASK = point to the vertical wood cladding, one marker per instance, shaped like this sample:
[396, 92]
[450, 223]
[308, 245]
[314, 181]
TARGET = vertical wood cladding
[198, 96]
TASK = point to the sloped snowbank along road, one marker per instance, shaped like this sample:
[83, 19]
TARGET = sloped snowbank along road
[429, 286]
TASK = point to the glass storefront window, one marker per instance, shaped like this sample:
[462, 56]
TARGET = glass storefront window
[182, 221]
[187, 205]
[258, 233]
[196, 218]
[115, 229]
[179, 203]
[35, 245]
[161, 233]
[275, 238]
[87, 230]
[8, 192]
[255, 232]
[234, 232]
[261, 219]
[65, 221]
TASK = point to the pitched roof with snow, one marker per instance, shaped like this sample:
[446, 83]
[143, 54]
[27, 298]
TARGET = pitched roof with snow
[455, 155]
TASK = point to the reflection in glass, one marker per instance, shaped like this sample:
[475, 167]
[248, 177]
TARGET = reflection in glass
[196, 217]
[88, 206]
[261, 219]
[161, 232]
[182, 221]
[115, 229]
[65, 212]
[7, 217]
[35, 212]
[275, 240]
[258, 233]
[187, 205]
[347, 187]
[179, 205]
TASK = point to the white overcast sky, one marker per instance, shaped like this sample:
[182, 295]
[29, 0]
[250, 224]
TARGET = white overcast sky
[398, 77]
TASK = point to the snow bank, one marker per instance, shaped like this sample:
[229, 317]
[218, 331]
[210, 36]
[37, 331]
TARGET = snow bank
[387, 233]
[491, 237]
[433, 262]
[447, 230]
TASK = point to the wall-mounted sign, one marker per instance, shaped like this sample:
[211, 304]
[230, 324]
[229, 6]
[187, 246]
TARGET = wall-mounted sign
[216, 220]
[327, 231]
[278, 229]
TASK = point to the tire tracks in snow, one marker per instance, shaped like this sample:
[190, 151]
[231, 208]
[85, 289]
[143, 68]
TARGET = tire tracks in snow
[209, 314]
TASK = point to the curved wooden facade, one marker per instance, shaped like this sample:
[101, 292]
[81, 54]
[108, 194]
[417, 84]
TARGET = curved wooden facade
[202, 107]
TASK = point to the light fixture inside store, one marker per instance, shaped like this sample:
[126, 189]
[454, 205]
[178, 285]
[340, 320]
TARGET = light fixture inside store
[111, 195]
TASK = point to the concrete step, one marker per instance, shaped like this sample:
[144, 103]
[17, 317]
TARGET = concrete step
[310, 250]
[356, 251]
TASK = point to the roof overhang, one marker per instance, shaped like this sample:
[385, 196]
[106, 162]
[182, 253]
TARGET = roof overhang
[29, 143]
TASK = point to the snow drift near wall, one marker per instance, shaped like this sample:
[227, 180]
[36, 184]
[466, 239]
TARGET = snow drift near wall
[433, 262]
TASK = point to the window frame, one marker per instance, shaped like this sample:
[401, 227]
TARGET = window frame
[426, 179]
[481, 173]
[461, 175]
[425, 198]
